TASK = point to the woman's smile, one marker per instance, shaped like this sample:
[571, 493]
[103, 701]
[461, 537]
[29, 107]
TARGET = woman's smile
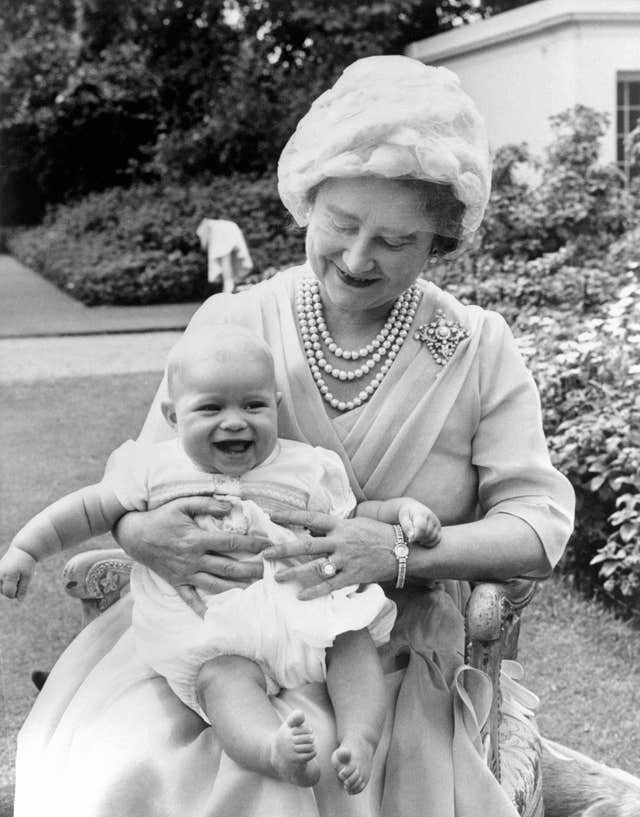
[358, 282]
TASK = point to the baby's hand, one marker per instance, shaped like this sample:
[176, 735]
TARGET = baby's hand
[419, 524]
[16, 570]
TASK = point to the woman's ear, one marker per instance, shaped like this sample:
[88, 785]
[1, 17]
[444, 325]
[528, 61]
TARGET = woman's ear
[169, 413]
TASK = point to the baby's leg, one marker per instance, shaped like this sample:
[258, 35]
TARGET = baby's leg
[233, 693]
[356, 687]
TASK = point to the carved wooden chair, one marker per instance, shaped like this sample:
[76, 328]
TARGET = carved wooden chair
[99, 577]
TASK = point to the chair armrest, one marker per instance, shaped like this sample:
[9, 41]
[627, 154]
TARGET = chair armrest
[98, 578]
[492, 625]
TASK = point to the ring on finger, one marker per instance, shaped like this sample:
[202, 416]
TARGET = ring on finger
[328, 568]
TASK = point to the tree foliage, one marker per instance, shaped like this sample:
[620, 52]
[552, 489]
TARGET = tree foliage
[102, 92]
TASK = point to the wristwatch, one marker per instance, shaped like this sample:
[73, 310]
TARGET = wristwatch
[400, 551]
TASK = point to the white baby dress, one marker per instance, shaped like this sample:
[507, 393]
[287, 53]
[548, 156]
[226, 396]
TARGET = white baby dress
[264, 622]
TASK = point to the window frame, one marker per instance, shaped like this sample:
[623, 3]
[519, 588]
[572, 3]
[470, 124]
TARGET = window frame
[626, 111]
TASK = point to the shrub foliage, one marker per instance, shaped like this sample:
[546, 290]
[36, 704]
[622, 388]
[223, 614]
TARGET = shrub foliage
[139, 245]
[561, 260]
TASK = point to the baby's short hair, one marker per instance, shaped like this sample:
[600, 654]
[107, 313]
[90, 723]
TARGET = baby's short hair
[220, 343]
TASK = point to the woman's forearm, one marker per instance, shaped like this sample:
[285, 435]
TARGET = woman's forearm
[492, 549]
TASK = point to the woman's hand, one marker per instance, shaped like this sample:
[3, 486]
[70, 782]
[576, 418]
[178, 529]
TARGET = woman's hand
[360, 549]
[170, 542]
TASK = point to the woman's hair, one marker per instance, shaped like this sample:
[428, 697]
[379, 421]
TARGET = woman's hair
[439, 203]
[394, 117]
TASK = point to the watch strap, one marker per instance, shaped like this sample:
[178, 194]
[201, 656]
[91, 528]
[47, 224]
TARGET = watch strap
[400, 552]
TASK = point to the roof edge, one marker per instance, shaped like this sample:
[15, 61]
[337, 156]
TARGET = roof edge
[482, 35]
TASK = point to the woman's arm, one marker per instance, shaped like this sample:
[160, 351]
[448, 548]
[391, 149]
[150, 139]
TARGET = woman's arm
[498, 547]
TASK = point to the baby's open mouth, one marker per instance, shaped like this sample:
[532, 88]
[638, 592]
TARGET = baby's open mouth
[233, 446]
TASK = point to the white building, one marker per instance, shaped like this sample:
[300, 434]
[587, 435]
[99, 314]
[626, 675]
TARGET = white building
[523, 65]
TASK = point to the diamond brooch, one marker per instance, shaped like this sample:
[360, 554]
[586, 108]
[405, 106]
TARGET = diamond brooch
[442, 337]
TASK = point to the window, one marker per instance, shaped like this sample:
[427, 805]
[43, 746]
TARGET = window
[627, 114]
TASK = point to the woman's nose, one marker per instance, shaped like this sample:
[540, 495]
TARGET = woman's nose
[357, 257]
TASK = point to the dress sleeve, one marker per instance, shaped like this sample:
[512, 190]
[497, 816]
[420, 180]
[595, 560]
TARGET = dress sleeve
[509, 449]
[126, 473]
[332, 494]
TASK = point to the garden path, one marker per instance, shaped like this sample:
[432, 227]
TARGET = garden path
[31, 306]
[45, 333]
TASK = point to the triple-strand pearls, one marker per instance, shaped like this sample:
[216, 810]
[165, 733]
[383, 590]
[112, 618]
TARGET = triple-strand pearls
[383, 349]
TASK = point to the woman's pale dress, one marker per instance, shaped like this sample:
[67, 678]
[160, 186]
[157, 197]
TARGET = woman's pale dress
[107, 738]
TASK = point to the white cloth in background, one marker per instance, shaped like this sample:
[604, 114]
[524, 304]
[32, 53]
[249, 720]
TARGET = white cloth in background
[228, 256]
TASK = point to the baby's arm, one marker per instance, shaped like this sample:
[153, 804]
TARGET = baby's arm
[419, 524]
[71, 520]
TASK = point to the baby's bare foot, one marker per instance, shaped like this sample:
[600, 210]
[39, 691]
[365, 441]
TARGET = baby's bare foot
[352, 761]
[293, 752]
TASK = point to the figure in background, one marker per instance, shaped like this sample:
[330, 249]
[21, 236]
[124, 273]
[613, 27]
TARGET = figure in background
[228, 257]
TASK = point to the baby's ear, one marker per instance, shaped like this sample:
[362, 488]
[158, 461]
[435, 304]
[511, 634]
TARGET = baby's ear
[169, 413]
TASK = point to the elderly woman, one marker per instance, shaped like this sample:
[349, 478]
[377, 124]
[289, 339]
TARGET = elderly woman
[420, 396]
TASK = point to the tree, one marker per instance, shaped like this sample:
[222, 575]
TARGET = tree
[95, 92]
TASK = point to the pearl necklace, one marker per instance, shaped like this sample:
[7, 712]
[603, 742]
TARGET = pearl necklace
[383, 349]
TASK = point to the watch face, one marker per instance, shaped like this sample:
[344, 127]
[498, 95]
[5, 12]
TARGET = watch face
[401, 551]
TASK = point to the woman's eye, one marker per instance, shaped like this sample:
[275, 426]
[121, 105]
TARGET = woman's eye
[393, 243]
[343, 228]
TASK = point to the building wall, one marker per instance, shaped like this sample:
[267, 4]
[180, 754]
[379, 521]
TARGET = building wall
[603, 52]
[524, 65]
[517, 85]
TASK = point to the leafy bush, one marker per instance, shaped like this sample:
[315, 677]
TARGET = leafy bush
[539, 205]
[139, 246]
[559, 256]
[588, 373]
[519, 288]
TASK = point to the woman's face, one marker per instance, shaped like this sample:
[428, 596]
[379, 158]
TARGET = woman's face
[367, 241]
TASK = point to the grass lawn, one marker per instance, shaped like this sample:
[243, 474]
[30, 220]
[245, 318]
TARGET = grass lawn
[55, 437]
[583, 664]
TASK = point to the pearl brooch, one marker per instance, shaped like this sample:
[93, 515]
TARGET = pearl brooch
[442, 337]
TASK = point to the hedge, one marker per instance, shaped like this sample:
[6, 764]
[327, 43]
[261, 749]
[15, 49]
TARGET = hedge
[139, 245]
